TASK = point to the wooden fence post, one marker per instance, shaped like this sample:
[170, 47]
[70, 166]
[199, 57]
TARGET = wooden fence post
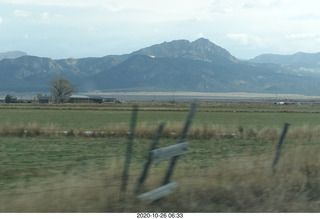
[148, 163]
[125, 175]
[181, 139]
[279, 146]
[157, 155]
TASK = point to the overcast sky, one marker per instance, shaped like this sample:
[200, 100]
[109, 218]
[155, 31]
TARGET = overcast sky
[95, 28]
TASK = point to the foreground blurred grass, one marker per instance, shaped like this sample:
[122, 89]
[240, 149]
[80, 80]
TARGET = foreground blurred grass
[81, 174]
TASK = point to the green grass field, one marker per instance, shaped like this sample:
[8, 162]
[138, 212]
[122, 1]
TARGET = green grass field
[93, 118]
[227, 167]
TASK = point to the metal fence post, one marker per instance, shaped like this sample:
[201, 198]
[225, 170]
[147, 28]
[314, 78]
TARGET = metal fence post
[279, 146]
[125, 175]
[181, 139]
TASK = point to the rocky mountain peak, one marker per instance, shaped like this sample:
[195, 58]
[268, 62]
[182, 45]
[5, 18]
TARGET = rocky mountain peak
[211, 51]
[202, 42]
[200, 49]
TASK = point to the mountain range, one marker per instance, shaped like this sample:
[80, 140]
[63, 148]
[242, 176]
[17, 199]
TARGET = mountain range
[178, 65]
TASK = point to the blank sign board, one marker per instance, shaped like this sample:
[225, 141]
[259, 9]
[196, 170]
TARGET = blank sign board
[158, 193]
[170, 151]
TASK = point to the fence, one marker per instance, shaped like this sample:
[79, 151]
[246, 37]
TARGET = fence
[89, 174]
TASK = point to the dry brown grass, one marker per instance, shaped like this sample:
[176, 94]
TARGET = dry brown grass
[29, 130]
[237, 184]
[171, 130]
[248, 184]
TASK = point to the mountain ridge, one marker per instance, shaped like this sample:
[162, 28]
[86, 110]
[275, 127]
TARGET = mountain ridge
[299, 57]
[12, 55]
[300, 62]
[179, 65]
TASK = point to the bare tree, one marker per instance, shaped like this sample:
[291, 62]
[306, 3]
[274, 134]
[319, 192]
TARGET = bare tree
[61, 89]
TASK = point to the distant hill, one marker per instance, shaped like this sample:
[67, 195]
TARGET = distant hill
[31, 73]
[299, 62]
[299, 57]
[12, 55]
[179, 65]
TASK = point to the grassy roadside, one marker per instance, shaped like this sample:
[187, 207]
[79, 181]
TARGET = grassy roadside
[84, 175]
[81, 174]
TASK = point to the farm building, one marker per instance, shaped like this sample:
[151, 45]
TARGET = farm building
[78, 98]
[75, 98]
[111, 100]
[44, 99]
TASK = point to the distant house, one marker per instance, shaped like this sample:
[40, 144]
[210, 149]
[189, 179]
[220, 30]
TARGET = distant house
[44, 99]
[111, 100]
[10, 99]
[96, 99]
